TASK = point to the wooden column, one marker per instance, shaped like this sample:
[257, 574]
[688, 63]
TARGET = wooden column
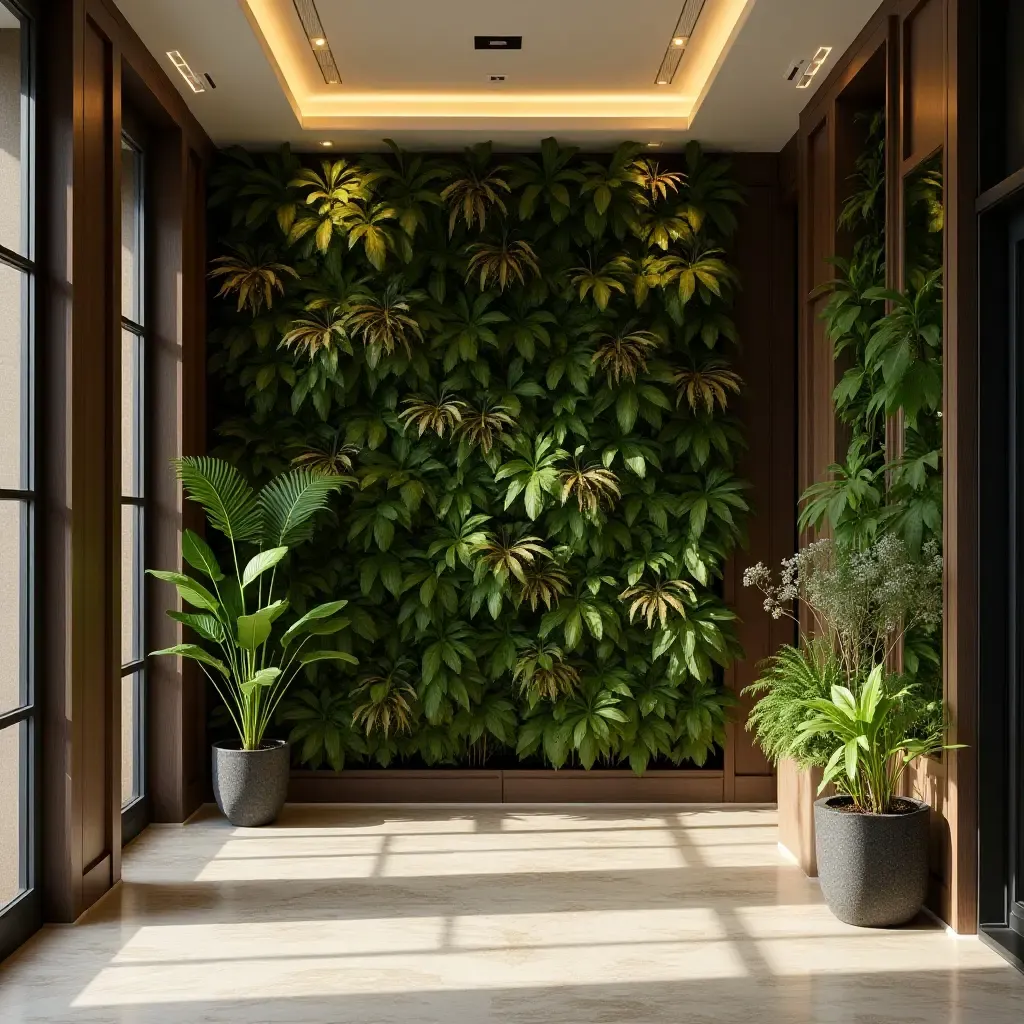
[92, 58]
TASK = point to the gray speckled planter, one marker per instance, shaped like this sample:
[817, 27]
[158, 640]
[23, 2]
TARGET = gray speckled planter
[873, 868]
[250, 785]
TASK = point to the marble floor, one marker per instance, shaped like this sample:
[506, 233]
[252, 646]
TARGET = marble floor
[466, 916]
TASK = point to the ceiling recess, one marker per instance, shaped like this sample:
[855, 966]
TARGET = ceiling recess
[318, 42]
[679, 41]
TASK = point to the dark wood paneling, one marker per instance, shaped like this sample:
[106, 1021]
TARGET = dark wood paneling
[87, 42]
[930, 74]
[924, 80]
[521, 786]
[763, 254]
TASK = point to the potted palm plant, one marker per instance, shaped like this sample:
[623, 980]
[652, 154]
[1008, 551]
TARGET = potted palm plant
[237, 616]
[830, 702]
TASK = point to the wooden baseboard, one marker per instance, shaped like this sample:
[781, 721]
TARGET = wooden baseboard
[524, 786]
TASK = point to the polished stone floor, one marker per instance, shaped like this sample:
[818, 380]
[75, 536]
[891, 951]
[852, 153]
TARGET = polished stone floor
[465, 916]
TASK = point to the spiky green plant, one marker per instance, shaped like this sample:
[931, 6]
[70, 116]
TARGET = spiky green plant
[253, 275]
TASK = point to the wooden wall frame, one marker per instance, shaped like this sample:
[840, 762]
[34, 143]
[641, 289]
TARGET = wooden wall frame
[92, 59]
[928, 48]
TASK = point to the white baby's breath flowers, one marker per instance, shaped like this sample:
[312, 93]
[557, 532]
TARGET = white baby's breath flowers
[865, 600]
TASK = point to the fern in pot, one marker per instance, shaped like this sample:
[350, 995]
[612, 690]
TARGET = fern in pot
[831, 702]
[246, 651]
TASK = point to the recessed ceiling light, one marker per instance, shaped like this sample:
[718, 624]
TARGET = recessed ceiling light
[815, 65]
[313, 28]
[679, 41]
[326, 143]
[195, 83]
[654, 145]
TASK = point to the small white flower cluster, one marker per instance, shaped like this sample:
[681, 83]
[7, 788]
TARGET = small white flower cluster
[864, 599]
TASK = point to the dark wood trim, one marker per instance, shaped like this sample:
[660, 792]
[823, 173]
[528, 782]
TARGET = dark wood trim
[91, 59]
[518, 786]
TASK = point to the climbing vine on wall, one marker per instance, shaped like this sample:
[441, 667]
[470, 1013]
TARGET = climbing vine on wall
[889, 344]
[521, 367]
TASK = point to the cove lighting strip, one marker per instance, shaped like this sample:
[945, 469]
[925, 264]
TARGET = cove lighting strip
[195, 83]
[679, 41]
[314, 29]
[812, 69]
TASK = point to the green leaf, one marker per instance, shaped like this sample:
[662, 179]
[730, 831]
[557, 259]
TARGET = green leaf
[226, 497]
[206, 625]
[260, 563]
[289, 502]
[308, 657]
[321, 611]
[196, 653]
[265, 677]
[200, 555]
[254, 629]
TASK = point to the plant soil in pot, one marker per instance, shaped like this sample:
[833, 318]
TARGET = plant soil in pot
[250, 785]
[873, 868]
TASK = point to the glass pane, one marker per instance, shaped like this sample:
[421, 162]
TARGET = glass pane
[13, 205]
[13, 544]
[130, 685]
[131, 590]
[131, 414]
[12, 801]
[13, 303]
[131, 232]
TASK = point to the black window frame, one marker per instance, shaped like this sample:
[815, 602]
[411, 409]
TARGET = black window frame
[23, 915]
[135, 813]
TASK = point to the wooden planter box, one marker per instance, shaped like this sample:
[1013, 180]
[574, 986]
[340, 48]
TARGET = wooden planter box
[521, 786]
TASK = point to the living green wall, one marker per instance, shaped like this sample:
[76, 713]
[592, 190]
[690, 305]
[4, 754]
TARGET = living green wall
[521, 366]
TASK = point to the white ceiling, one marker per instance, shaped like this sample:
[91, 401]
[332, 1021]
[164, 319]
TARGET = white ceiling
[390, 49]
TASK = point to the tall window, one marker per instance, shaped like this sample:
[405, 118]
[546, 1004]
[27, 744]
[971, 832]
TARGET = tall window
[133, 492]
[19, 903]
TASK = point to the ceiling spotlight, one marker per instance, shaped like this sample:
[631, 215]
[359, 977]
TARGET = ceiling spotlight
[326, 143]
[654, 145]
[679, 41]
[812, 69]
[313, 30]
[195, 83]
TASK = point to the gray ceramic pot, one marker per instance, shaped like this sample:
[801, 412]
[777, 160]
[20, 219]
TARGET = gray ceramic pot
[250, 785]
[873, 868]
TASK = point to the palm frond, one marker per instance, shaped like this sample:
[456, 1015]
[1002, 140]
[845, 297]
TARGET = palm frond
[290, 501]
[225, 495]
[504, 555]
[318, 332]
[484, 428]
[385, 701]
[503, 262]
[592, 485]
[542, 672]
[543, 585]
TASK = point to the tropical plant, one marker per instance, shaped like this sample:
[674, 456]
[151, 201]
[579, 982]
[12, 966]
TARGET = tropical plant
[874, 734]
[479, 190]
[384, 702]
[437, 413]
[383, 322]
[542, 673]
[658, 600]
[253, 274]
[236, 618]
[486, 348]
[624, 354]
[706, 385]
[503, 262]
[590, 483]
